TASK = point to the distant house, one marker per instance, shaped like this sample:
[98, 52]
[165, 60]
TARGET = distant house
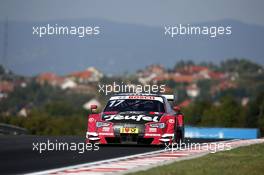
[156, 69]
[185, 103]
[217, 75]
[91, 74]
[68, 84]
[3, 95]
[244, 101]
[193, 90]
[193, 73]
[5, 88]
[162, 77]
[151, 73]
[84, 89]
[146, 79]
[50, 78]
[187, 74]
[23, 112]
[223, 85]
[178, 78]
[81, 76]
[96, 74]
[168, 90]
[193, 69]
[88, 104]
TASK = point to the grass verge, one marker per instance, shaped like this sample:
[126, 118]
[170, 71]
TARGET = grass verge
[243, 161]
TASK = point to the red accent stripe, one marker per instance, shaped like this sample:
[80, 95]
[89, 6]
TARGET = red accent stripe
[95, 170]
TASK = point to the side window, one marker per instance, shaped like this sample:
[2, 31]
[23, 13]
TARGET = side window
[168, 106]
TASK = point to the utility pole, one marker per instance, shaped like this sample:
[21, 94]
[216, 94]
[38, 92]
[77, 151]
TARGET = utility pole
[5, 45]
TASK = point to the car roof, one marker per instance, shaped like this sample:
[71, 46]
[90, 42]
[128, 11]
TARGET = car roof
[160, 97]
[165, 100]
[139, 94]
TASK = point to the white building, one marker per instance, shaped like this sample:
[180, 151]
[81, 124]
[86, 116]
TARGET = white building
[68, 84]
[88, 104]
[193, 91]
[96, 74]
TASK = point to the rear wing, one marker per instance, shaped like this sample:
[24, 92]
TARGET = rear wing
[169, 97]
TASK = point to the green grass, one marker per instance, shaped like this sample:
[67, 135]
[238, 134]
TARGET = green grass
[243, 161]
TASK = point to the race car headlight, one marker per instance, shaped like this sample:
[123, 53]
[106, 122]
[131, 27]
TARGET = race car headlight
[101, 124]
[157, 125]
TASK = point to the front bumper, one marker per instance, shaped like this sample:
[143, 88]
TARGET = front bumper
[145, 138]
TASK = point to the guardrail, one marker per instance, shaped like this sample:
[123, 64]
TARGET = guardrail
[6, 129]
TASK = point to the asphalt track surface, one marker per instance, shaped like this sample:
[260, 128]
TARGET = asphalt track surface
[17, 155]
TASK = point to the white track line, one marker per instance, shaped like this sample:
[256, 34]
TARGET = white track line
[143, 161]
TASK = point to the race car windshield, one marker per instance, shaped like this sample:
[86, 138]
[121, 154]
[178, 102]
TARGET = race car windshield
[134, 105]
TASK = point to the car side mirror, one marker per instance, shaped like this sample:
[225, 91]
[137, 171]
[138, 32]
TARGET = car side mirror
[177, 108]
[93, 108]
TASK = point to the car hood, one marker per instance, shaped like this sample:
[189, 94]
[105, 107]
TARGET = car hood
[132, 117]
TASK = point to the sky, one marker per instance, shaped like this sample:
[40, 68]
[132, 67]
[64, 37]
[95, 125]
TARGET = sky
[143, 12]
[25, 51]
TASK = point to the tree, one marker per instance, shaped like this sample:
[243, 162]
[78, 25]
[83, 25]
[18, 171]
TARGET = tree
[255, 113]
[227, 114]
[2, 70]
[182, 63]
[242, 66]
[194, 113]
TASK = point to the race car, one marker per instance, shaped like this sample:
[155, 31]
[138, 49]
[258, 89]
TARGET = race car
[136, 119]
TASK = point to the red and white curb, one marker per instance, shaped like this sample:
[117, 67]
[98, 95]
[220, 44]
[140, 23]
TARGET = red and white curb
[143, 161]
